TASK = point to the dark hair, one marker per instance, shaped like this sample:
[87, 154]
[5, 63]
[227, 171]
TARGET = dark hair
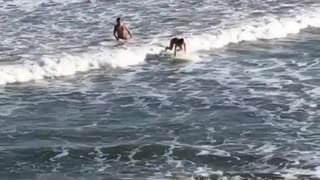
[180, 41]
[118, 19]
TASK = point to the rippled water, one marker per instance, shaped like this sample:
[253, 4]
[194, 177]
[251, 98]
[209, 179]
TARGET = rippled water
[74, 105]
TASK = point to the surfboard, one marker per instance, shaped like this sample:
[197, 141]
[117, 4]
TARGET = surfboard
[120, 44]
[165, 56]
[114, 43]
[169, 57]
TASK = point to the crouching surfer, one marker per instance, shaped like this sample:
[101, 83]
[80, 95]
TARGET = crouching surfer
[178, 45]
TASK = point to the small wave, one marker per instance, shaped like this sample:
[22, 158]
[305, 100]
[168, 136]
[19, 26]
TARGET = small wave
[28, 5]
[51, 67]
[263, 28]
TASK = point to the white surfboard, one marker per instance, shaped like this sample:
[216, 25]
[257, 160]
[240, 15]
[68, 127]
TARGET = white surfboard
[169, 56]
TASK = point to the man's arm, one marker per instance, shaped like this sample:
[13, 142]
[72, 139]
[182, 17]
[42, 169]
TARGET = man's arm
[185, 48]
[114, 33]
[175, 50]
[128, 31]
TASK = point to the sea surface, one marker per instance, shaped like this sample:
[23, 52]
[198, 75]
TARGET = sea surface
[77, 105]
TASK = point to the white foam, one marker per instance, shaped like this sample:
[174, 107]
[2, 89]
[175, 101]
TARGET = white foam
[266, 148]
[28, 5]
[51, 67]
[263, 28]
[64, 153]
[294, 173]
[203, 152]
[206, 172]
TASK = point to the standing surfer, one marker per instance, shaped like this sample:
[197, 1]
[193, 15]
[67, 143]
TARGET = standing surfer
[121, 31]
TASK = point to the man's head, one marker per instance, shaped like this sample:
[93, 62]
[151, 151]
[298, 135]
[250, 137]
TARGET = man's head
[180, 42]
[118, 20]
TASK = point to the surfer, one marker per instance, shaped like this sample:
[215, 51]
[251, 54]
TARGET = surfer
[176, 42]
[121, 31]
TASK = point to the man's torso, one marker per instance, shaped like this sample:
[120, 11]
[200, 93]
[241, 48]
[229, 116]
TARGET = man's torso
[121, 31]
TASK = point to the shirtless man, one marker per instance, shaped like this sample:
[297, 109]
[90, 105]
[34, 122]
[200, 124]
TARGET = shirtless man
[177, 43]
[121, 31]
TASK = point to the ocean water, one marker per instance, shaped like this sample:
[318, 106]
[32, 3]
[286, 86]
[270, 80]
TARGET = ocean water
[76, 105]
